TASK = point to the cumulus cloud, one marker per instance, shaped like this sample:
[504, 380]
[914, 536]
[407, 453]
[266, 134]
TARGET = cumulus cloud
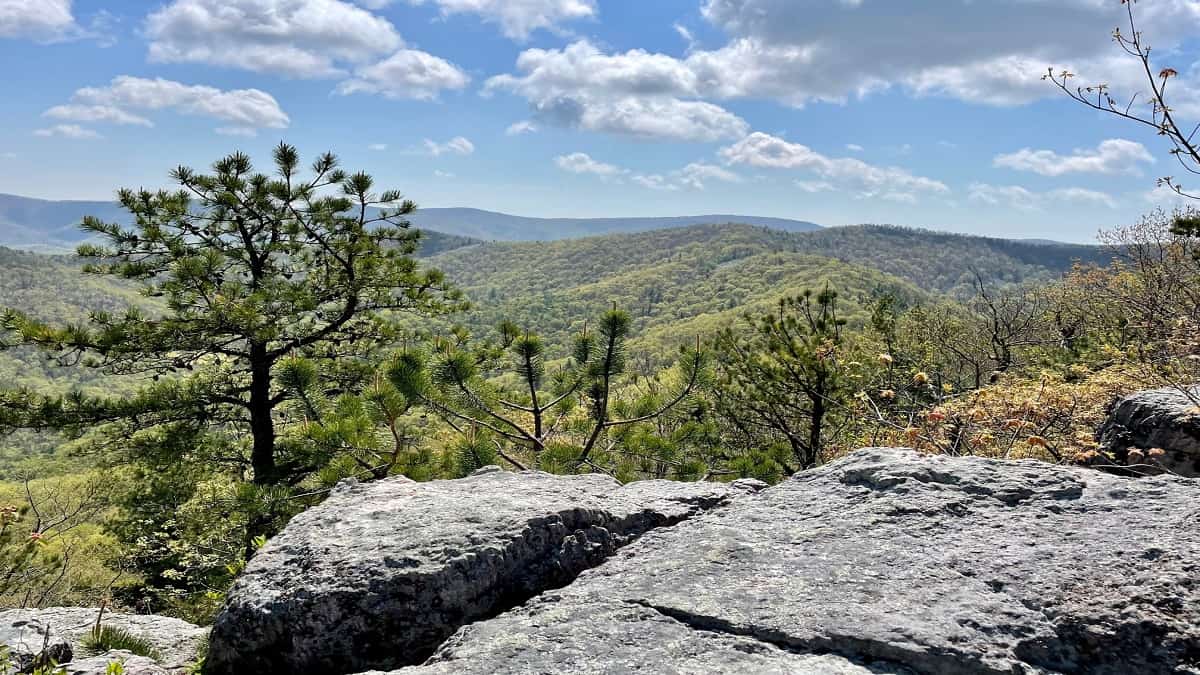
[408, 73]
[694, 176]
[521, 128]
[243, 110]
[636, 93]
[1114, 155]
[1016, 196]
[582, 163]
[96, 113]
[517, 20]
[295, 38]
[697, 174]
[801, 50]
[39, 20]
[815, 186]
[68, 131]
[455, 146]
[765, 151]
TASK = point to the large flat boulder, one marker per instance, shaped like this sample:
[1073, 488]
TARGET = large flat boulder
[1166, 420]
[29, 644]
[176, 641]
[381, 573]
[888, 561]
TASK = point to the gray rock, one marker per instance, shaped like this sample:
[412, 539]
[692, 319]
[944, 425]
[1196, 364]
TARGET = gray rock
[176, 641]
[131, 664]
[30, 643]
[380, 574]
[550, 635]
[749, 485]
[1158, 418]
[886, 560]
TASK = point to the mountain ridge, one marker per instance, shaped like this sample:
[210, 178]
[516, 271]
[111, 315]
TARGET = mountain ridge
[53, 224]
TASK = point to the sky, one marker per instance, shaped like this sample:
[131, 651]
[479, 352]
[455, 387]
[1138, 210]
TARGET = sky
[926, 113]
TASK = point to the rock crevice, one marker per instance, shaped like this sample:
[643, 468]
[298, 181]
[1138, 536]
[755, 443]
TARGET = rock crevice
[382, 573]
[886, 561]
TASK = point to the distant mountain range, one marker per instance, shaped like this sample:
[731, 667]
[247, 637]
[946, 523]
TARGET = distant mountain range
[42, 224]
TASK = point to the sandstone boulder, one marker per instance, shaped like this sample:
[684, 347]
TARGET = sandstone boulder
[28, 643]
[1164, 419]
[176, 641]
[131, 664]
[381, 573]
[887, 561]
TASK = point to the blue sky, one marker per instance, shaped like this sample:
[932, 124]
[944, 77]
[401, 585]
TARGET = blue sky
[927, 113]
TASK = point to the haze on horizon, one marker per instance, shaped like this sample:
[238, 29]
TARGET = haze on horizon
[927, 114]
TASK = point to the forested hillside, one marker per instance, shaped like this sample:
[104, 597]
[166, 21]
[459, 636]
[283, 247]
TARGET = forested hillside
[682, 283]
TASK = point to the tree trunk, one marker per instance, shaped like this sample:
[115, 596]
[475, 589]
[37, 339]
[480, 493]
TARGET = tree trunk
[815, 431]
[262, 426]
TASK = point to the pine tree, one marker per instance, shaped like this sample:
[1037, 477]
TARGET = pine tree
[564, 414]
[784, 379]
[250, 270]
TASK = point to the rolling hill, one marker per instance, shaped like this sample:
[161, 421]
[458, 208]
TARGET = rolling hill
[683, 282]
[679, 283]
[39, 224]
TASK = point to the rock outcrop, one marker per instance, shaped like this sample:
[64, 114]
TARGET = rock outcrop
[380, 574]
[28, 643]
[886, 561]
[175, 641]
[1159, 428]
[131, 664]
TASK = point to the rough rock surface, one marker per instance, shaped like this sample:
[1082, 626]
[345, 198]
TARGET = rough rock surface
[131, 664]
[887, 561]
[176, 641]
[30, 643]
[381, 573]
[1158, 418]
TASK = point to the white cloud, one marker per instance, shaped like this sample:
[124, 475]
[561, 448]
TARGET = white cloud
[696, 174]
[854, 147]
[804, 50]
[1114, 155]
[636, 93]
[408, 73]
[68, 131]
[655, 181]
[521, 128]
[38, 20]
[582, 163]
[437, 173]
[295, 38]
[686, 34]
[243, 110]
[378, 147]
[814, 186]
[1018, 197]
[519, 18]
[766, 151]
[455, 146]
[96, 113]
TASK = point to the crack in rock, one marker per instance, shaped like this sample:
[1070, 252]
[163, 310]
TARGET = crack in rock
[382, 573]
[882, 657]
